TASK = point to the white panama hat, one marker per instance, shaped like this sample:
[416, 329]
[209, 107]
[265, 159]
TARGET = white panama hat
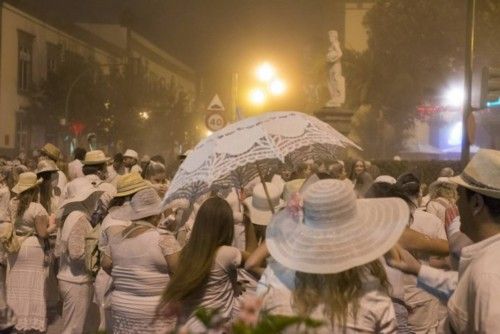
[338, 231]
[258, 205]
[482, 174]
[131, 154]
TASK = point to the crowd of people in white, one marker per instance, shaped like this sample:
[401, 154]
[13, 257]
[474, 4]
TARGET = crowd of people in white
[361, 253]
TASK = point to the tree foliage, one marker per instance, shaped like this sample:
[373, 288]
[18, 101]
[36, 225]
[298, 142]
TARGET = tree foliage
[415, 49]
[109, 101]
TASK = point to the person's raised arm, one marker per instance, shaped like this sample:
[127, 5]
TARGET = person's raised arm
[256, 261]
[415, 241]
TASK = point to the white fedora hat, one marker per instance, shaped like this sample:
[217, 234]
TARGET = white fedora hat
[482, 174]
[131, 154]
[338, 231]
[258, 205]
[144, 203]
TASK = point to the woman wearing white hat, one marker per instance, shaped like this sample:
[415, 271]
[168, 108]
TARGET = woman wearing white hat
[333, 244]
[50, 194]
[140, 262]
[75, 283]
[27, 275]
[127, 186]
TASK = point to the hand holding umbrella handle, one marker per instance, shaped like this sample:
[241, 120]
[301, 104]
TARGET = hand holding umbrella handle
[259, 170]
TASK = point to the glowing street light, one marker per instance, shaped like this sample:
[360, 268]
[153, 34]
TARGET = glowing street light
[454, 97]
[265, 72]
[144, 115]
[257, 96]
[277, 87]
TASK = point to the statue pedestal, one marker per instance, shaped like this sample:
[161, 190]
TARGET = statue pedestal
[337, 117]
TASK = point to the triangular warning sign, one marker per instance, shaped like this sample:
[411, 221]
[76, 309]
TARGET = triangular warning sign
[216, 104]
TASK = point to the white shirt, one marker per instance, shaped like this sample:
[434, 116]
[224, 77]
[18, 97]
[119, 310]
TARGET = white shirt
[427, 310]
[75, 169]
[474, 307]
[72, 239]
[135, 168]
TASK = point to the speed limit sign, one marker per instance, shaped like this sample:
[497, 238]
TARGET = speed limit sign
[215, 121]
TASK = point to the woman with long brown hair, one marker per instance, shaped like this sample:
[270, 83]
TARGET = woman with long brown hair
[206, 274]
[333, 244]
[26, 278]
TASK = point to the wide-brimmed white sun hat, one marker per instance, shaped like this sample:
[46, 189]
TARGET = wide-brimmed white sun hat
[335, 231]
[131, 154]
[482, 174]
[258, 205]
[144, 203]
[79, 190]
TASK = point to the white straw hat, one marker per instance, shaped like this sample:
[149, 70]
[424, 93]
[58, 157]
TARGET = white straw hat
[144, 203]
[26, 181]
[131, 154]
[258, 205]
[482, 174]
[338, 231]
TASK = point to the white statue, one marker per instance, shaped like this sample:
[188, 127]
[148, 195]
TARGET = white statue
[336, 82]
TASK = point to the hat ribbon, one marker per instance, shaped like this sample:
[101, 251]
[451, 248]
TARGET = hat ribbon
[295, 204]
[475, 183]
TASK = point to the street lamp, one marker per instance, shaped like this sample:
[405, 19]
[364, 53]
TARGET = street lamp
[277, 87]
[257, 96]
[454, 96]
[265, 72]
[144, 115]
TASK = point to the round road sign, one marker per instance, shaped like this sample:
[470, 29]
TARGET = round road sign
[215, 121]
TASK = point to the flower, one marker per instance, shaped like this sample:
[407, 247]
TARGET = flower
[250, 309]
[295, 204]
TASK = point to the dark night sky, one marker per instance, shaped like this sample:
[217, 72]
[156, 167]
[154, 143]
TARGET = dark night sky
[216, 37]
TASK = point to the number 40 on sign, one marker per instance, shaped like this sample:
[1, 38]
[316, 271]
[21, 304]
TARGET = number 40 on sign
[215, 121]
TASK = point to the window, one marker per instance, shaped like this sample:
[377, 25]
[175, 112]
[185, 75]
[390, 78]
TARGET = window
[53, 57]
[25, 60]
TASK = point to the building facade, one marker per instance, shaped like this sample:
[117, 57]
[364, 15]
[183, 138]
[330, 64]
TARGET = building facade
[31, 47]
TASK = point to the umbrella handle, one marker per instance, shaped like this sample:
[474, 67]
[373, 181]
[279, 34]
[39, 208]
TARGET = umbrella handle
[259, 170]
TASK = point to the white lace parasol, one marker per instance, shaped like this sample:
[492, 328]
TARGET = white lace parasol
[228, 157]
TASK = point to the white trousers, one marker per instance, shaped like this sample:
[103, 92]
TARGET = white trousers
[79, 314]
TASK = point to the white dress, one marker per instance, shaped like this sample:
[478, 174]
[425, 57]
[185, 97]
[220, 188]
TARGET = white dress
[27, 275]
[218, 292]
[140, 274]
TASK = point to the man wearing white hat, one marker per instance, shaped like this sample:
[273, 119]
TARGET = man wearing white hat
[474, 305]
[130, 159]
